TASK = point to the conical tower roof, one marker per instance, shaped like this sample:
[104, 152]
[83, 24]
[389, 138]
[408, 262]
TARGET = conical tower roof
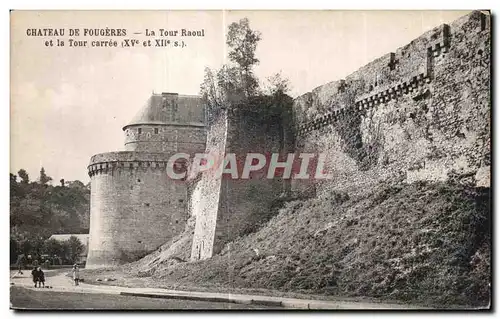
[159, 110]
[152, 112]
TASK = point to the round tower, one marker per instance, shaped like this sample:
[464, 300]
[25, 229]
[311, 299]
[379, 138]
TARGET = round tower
[168, 122]
[134, 206]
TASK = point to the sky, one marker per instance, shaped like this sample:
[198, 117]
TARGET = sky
[69, 103]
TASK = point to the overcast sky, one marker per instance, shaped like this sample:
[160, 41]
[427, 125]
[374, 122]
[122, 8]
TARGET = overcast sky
[70, 103]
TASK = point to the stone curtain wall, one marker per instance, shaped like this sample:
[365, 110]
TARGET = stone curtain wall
[135, 207]
[420, 113]
[206, 194]
[226, 208]
[245, 203]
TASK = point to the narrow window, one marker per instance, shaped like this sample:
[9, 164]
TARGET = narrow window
[139, 130]
[156, 130]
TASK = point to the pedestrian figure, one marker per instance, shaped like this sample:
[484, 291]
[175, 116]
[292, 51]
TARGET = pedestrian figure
[34, 274]
[41, 277]
[20, 263]
[76, 274]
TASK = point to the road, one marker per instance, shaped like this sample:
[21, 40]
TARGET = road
[22, 298]
[63, 294]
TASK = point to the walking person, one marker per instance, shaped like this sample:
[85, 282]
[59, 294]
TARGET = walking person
[41, 277]
[76, 274]
[34, 274]
[20, 263]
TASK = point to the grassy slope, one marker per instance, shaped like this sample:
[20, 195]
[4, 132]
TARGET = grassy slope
[420, 242]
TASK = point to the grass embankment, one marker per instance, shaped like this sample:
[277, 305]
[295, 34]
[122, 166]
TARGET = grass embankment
[420, 243]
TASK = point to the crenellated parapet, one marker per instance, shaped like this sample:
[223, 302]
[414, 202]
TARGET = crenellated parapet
[404, 72]
[325, 120]
[419, 113]
[413, 84]
[127, 161]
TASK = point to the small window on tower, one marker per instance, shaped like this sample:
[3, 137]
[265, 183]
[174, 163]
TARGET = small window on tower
[156, 130]
[139, 130]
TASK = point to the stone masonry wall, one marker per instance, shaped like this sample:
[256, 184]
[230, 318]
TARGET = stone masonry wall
[135, 207]
[168, 122]
[245, 203]
[419, 113]
[233, 207]
[165, 138]
[206, 195]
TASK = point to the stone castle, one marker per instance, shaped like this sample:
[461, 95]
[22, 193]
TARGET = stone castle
[421, 113]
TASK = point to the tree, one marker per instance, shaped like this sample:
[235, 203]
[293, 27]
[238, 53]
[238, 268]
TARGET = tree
[53, 247]
[235, 83]
[221, 90]
[242, 42]
[38, 210]
[277, 85]
[37, 246]
[76, 184]
[14, 250]
[26, 246]
[15, 189]
[44, 178]
[23, 175]
[62, 182]
[66, 251]
[75, 248]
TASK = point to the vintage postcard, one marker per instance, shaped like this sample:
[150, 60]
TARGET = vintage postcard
[250, 160]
